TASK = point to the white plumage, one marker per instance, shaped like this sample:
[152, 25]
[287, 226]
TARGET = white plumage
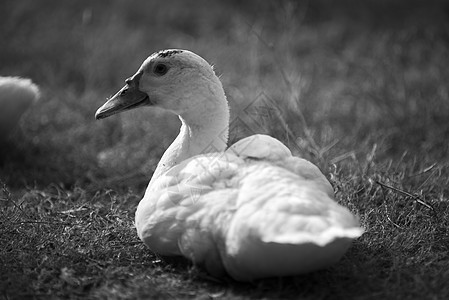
[16, 96]
[252, 210]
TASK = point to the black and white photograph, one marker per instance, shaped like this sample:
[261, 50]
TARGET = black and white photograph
[206, 149]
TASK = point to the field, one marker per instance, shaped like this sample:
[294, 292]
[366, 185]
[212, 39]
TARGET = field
[360, 88]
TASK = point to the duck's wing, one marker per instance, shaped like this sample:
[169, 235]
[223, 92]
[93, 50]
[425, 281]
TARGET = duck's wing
[286, 224]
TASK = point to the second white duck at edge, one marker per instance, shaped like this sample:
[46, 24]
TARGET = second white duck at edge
[252, 210]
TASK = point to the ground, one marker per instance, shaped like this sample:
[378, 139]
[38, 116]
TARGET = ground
[360, 89]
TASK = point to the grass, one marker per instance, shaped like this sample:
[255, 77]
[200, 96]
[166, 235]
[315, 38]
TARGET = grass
[362, 92]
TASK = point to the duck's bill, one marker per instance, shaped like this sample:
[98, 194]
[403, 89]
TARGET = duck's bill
[125, 99]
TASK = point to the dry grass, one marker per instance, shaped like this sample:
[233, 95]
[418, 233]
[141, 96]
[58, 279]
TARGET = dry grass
[361, 91]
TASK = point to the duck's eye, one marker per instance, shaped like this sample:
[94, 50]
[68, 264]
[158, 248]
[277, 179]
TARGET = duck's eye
[160, 69]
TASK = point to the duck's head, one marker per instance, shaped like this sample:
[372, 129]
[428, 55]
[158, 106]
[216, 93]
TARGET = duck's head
[176, 80]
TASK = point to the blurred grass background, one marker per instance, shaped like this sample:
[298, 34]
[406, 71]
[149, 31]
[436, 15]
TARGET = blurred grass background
[368, 71]
[361, 87]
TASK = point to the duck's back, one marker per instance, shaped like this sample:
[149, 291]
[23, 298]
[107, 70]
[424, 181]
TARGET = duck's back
[251, 212]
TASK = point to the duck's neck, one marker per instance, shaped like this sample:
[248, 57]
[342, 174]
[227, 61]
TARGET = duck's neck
[203, 130]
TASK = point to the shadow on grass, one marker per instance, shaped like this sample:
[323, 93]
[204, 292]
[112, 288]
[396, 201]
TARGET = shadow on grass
[358, 274]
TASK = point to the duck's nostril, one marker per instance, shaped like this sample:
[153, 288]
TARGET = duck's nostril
[128, 81]
[123, 92]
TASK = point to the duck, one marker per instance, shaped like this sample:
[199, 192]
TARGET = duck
[17, 94]
[248, 211]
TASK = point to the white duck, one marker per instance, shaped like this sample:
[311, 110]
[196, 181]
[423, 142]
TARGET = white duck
[16, 96]
[252, 210]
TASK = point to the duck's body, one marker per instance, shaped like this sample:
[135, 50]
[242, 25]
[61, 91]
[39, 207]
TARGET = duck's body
[252, 210]
[16, 95]
[250, 216]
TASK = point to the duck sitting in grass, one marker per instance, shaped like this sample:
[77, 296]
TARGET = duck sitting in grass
[16, 96]
[251, 210]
